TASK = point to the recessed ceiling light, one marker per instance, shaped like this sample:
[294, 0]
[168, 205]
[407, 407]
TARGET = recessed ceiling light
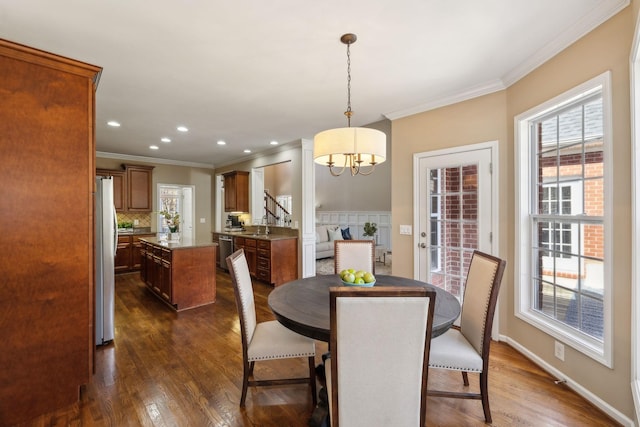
[165, 139]
[153, 147]
[182, 129]
[113, 123]
[247, 151]
[221, 142]
[274, 143]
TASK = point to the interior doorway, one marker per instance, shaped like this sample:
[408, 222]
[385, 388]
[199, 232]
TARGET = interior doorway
[178, 199]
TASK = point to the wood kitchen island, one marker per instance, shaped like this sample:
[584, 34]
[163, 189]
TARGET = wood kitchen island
[181, 273]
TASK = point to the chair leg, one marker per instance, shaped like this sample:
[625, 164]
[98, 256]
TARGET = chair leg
[465, 378]
[485, 396]
[246, 372]
[312, 379]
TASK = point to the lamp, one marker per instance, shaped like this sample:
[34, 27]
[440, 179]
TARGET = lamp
[354, 148]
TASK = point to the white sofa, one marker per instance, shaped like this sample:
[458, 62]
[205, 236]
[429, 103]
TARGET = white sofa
[325, 235]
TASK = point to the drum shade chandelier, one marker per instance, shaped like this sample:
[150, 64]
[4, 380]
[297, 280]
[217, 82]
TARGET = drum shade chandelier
[353, 148]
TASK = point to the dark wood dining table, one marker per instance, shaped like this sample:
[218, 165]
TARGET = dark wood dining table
[303, 305]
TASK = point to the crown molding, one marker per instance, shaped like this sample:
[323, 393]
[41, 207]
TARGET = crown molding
[598, 15]
[454, 98]
[106, 155]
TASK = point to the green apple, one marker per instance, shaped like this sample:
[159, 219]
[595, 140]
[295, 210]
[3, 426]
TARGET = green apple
[359, 273]
[368, 278]
[343, 273]
[349, 278]
[359, 281]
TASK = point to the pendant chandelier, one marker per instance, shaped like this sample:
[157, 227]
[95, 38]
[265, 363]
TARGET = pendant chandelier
[357, 149]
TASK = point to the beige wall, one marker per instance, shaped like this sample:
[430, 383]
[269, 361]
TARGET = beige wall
[278, 179]
[491, 118]
[357, 193]
[201, 178]
[479, 120]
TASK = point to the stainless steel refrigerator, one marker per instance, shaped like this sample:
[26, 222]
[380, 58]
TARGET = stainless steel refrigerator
[106, 244]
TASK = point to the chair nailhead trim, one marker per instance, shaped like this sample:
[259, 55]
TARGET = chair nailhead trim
[455, 368]
[281, 356]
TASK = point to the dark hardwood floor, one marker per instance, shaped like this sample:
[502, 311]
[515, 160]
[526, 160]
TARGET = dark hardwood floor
[185, 369]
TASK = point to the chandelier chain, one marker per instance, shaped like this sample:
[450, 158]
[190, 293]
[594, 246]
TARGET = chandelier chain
[348, 113]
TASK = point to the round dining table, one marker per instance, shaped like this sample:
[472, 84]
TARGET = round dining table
[303, 305]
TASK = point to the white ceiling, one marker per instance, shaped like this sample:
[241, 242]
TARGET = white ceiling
[252, 71]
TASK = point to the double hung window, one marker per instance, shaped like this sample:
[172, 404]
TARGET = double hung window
[563, 218]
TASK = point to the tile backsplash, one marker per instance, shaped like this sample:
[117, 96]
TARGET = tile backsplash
[144, 219]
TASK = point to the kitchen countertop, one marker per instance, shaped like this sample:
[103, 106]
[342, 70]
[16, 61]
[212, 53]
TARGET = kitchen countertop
[183, 243]
[250, 235]
[134, 231]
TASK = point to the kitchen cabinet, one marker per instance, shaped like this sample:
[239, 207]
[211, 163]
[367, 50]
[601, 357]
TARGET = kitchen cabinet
[277, 260]
[47, 119]
[119, 187]
[250, 252]
[271, 260]
[132, 190]
[236, 191]
[123, 254]
[139, 188]
[136, 250]
[181, 274]
[128, 255]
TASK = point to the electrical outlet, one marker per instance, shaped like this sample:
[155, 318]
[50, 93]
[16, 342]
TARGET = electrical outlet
[202, 220]
[559, 350]
[136, 222]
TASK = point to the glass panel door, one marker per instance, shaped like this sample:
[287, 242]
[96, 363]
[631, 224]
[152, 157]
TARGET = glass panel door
[454, 215]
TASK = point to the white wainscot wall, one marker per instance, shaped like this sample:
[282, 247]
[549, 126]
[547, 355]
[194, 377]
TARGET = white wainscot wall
[355, 221]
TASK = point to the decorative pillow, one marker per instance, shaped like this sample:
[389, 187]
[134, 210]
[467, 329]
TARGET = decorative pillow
[335, 234]
[346, 234]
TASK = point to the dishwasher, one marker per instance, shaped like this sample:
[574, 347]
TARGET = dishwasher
[225, 248]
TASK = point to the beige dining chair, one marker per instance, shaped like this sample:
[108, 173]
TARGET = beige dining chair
[377, 370]
[356, 254]
[466, 348]
[265, 340]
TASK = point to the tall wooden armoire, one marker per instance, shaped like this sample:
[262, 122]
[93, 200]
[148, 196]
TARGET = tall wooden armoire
[47, 156]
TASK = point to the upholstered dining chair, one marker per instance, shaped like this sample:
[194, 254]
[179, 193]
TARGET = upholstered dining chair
[466, 348]
[266, 340]
[356, 254]
[377, 370]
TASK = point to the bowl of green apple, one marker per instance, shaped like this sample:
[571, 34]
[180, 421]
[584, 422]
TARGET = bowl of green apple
[352, 277]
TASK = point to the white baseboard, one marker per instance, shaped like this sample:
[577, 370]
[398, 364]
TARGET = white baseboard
[592, 398]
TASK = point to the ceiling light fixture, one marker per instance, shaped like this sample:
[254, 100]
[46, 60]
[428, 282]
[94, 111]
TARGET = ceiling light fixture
[113, 123]
[221, 142]
[247, 151]
[354, 148]
[165, 139]
[154, 147]
[274, 143]
[182, 129]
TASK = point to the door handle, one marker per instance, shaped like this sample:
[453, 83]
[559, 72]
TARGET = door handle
[422, 245]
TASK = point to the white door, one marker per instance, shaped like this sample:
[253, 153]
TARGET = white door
[187, 212]
[257, 195]
[454, 212]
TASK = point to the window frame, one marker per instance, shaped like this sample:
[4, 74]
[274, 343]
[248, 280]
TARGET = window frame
[435, 217]
[524, 164]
